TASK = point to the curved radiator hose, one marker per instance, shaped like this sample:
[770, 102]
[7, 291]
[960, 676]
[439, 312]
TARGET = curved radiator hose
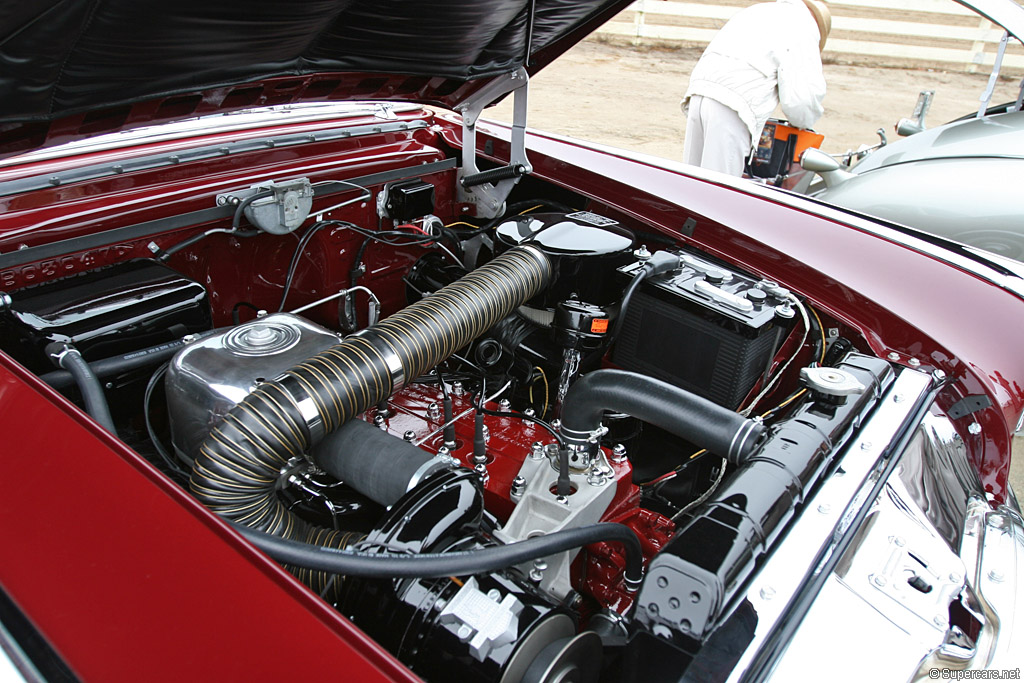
[239, 463]
[675, 410]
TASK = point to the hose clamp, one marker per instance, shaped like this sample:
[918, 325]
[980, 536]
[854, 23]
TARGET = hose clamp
[305, 404]
[738, 446]
[387, 354]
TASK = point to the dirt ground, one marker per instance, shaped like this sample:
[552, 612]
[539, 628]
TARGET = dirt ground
[629, 97]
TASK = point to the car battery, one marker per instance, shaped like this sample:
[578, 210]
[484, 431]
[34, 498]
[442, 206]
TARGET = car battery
[779, 147]
[104, 312]
[704, 328]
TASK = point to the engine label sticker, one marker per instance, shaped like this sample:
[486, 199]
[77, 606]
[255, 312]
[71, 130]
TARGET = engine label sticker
[592, 218]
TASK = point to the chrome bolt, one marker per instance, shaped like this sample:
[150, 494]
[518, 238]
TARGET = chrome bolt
[642, 253]
[494, 594]
[824, 508]
[618, 453]
[879, 580]
[261, 313]
[564, 500]
[537, 451]
[486, 433]
[893, 356]
[465, 632]
[996, 576]
[481, 471]
[898, 398]
[434, 412]
[899, 542]
[939, 375]
[379, 421]
[529, 412]
[939, 620]
[409, 435]
[457, 388]
[518, 486]
[556, 424]
[767, 593]
[913, 362]
[444, 451]
[865, 445]
[955, 578]
[188, 338]
[504, 405]
[537, 572]
[974, 428]
[595, 477]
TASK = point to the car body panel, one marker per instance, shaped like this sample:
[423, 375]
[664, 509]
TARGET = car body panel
[985, 214]
[996, 136]
[146, 583]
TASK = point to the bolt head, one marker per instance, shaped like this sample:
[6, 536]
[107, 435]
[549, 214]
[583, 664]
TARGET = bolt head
[996, 576]
[824, 508]
[409, 435]
[865, 445]
[879, 580]
[767, 593]
[914, 363]
[939, 620]
[893, 356]
[974, 428]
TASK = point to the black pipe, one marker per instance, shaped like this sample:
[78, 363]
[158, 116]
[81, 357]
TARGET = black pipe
[118, 365]
[68, 357]
[377, 464]
[350, 562]
[675, 410]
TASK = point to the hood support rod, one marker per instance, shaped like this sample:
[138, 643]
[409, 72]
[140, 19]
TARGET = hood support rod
[488, 190]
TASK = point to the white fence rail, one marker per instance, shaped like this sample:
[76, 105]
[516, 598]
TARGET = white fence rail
[942, 32]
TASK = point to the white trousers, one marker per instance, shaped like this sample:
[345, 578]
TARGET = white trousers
[716, 138]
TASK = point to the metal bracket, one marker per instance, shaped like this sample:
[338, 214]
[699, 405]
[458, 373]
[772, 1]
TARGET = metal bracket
[489, 197]
[986, 96]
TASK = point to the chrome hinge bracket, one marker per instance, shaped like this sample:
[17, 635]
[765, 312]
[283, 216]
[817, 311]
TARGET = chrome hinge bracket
[488, 190]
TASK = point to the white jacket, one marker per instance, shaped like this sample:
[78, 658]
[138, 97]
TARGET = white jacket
[765, 55]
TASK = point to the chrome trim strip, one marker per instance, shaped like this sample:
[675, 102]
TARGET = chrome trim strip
[818, 536]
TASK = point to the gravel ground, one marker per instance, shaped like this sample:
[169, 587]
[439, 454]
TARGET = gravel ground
[629, 97]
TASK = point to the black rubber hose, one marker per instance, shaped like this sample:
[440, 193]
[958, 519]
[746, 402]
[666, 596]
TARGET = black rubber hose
[118, 365]
[68, 357]
[377, 464]
[675, 410]
[350, 562]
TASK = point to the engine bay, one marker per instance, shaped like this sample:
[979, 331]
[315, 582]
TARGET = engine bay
[545, 446]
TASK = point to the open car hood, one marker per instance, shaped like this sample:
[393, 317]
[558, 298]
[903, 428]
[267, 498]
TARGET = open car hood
[75, 68]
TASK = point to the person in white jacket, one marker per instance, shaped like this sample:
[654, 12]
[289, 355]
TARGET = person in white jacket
[767, 54]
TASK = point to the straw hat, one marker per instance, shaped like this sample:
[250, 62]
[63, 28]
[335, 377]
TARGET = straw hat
[822, 17]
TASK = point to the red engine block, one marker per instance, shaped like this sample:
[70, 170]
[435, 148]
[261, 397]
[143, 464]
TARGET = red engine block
[599, 570]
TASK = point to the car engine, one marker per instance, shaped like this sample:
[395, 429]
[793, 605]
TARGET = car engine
[546, 447]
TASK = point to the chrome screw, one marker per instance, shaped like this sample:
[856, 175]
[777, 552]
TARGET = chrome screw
[518, 487]
[618, 453]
